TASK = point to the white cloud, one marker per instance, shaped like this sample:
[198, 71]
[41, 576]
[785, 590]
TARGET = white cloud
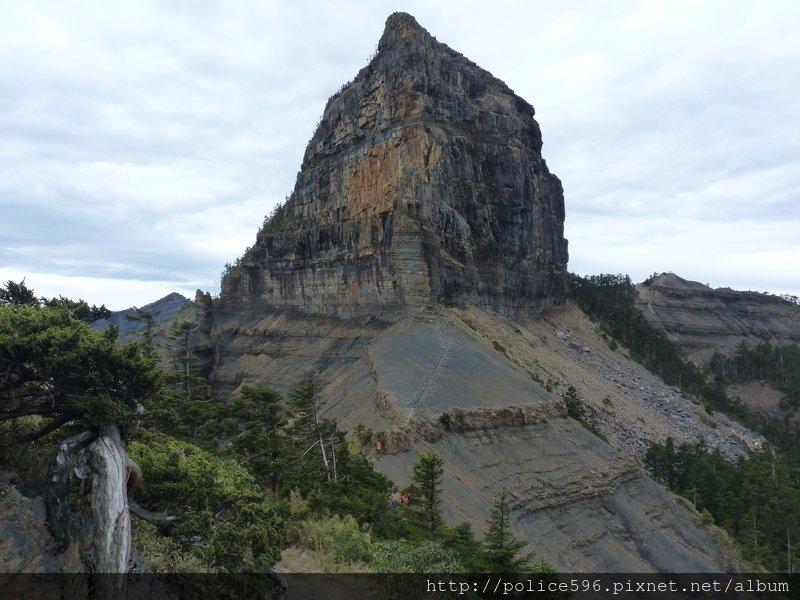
[141, 144]
[744, 254]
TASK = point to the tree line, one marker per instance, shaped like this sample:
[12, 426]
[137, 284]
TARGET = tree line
[756, 499]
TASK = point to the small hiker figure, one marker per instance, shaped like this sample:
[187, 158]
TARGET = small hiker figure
[405, 499]
[379, 446]
[393, 505]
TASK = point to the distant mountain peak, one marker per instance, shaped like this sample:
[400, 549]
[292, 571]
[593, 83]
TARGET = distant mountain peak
[163, 309]
[172, 296]
[674, 281]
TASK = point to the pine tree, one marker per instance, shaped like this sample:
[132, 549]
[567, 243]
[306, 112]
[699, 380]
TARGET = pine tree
[183, 408]
[79, 309]
[148, 323]
[252, 422]
[462, 540]
[182, 356]
[501, 548]
[62, 377]
[426, 510]
[311, 435]
[575, 406]
[17, 293]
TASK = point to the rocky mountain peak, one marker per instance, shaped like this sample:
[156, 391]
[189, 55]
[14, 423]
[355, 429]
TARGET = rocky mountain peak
[673, 281]
[400, 26]
[423, 183]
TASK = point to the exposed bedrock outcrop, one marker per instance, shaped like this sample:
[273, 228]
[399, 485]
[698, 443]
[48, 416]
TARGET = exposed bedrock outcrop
[701, 320]
[435, 382]
[423, 182]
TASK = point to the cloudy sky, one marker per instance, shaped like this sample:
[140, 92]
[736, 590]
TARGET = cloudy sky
[142, 143]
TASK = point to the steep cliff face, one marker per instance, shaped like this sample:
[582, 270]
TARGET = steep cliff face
[422, 215]
[424, 182]
[701, 320]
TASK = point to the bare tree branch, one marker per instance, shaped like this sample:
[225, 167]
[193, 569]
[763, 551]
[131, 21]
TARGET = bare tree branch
[304, 453]
[162, 520]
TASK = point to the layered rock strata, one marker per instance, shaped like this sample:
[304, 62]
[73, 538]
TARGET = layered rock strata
[424, 182]
[465, 383]
[424, 186]
[701, 320]
[474, 401]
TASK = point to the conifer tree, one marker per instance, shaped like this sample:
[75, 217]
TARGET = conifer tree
[80, 309]
[62, 378]
[148, 323]
[426, 510]
[17, 293]
[182, 356]
[462, 540]
[311, 435]
[252, 421]
[500, 547]
[575, 406]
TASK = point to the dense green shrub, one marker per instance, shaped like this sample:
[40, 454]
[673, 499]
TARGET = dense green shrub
[401, 556]
[222, 513]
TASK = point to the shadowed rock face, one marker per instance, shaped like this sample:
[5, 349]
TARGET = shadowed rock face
[423, 182]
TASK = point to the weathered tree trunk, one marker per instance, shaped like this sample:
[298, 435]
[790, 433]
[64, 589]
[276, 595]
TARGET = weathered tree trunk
[282, 592]
[56, 493]
[112, 524]
[333, 454]
[321, 443]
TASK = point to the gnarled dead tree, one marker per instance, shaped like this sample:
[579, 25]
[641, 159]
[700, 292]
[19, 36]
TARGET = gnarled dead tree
[101, 458]
[56, 373]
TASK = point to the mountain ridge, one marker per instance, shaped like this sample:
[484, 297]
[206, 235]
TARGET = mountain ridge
[701, 320]
[163, 310]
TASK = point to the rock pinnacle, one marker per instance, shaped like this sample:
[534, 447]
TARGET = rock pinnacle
[424, 183]
[401, 26]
